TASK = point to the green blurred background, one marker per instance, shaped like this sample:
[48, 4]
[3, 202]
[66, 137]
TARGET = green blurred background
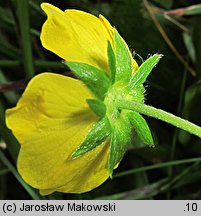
[171, 170]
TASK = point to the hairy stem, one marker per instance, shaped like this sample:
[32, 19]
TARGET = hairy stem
[160, 114]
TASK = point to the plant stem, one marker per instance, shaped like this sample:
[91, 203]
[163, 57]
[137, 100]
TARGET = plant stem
[160, 114]
[157, 166]
[9, 63]
[179, 176]
[23, 14]
[37, 63]
[175, 135]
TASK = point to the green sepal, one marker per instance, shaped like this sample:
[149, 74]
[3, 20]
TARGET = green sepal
[140, 76]
[138, 94]
[111, 61]
[124, 65]
[120, 138]
[97, 106]
[94, 78]
[98, 134]
[141, 127]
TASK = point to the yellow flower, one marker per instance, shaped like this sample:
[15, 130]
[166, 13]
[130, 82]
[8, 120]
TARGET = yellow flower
[52, 117]
[50, 121]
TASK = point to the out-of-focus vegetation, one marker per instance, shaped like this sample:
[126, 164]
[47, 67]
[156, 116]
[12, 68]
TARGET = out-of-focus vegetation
[171, 170]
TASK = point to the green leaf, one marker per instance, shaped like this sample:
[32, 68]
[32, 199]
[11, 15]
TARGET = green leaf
[111, 61]
[120, 138]
[98, 134]
[97, 106]
[141, 127]
[192, 10]
[124, 65]
[95, 79]
[140, 76]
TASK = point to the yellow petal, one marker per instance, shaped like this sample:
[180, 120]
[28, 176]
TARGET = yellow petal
[87, 173]
[48, 96]
[50, 121]
[77, 36]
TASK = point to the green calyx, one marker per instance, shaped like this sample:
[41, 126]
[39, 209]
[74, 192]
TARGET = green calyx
[95, 79]
[121, 83]
[98, 134]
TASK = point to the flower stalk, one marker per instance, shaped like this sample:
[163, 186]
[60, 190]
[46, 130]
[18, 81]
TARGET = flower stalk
[160, 114]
